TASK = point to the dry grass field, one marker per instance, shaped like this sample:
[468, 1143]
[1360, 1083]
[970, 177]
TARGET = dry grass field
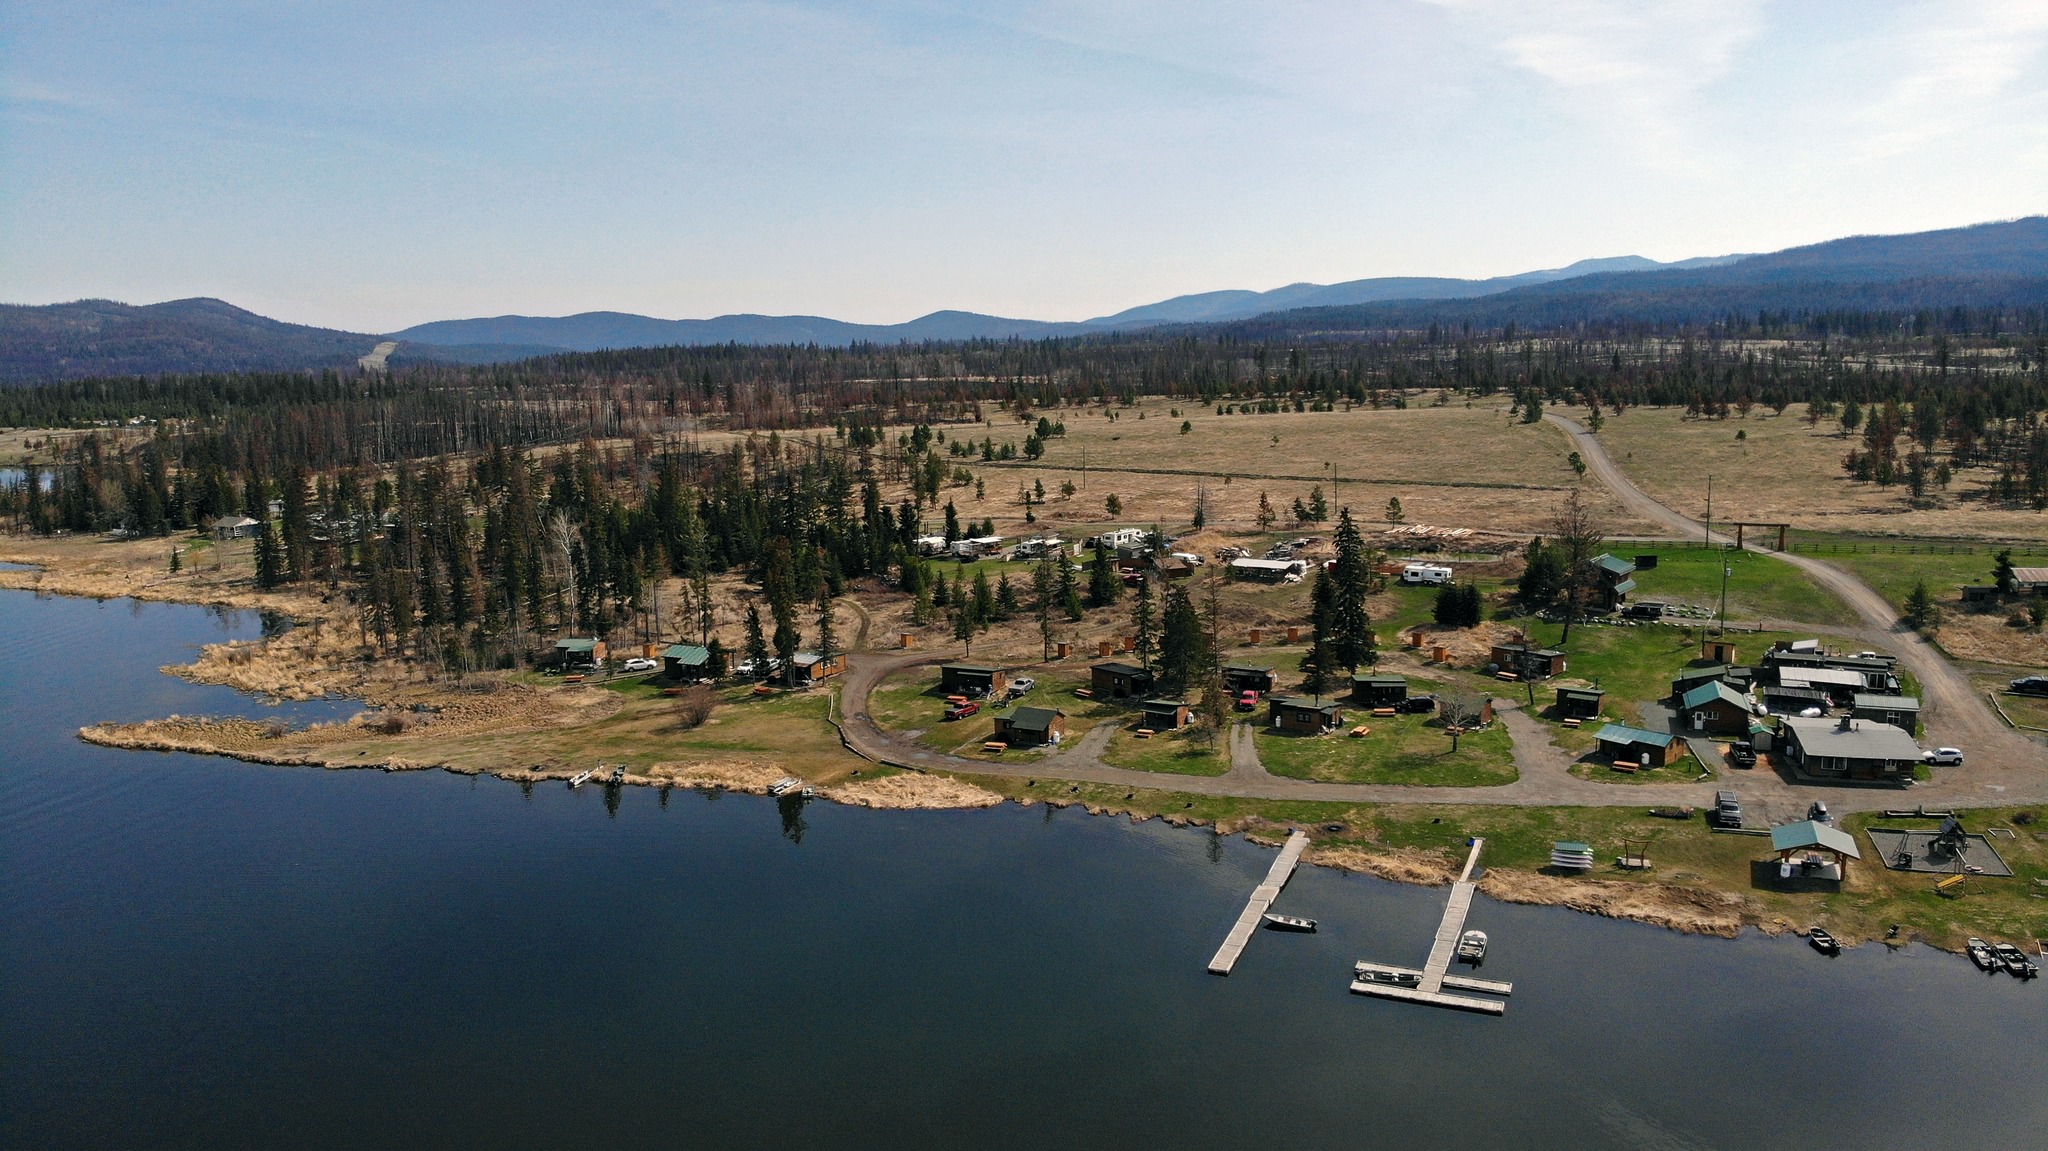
[1782, 470]
[1452, 467]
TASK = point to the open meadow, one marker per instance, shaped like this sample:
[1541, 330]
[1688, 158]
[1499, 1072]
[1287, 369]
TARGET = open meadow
[1782, 470]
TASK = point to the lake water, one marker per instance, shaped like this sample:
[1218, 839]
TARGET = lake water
[205, 953]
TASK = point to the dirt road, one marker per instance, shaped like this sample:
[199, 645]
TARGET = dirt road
[1954, 714]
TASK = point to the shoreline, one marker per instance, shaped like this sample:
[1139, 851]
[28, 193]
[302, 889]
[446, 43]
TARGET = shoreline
[316, 659]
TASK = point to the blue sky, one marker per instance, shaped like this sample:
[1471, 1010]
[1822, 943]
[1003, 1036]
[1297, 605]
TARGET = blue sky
[373, 165]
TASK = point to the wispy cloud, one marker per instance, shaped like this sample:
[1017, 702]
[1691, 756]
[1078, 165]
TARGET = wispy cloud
[1631, 69]
[1957, 67]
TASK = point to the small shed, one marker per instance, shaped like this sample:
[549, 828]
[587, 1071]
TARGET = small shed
[1719, 650]
[579, 652]
[234, 528]
[1901, 711]
[1119, 680]
[1165, 714]
[812, 667]
[1529, 662]
[1303, 715]
[688, 661]
[1379, 690]
[1032, 726]
[1580, 702]
[1633, 744]
[1822, 852]
[972, 679]
[1614, 579]
[1242, 677]
[1715, 708]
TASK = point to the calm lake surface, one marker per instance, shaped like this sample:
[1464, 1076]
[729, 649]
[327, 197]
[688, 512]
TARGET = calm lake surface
[205, 953]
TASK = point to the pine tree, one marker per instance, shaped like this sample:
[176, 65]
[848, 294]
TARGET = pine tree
[983, 602]
[757, 644]
[1215, 703]
[1181, 641]
[2002, 573]
[1350, 632]
[1043, 588]
[1394, 513]
[1919, 608]
[1104, 584]
[269, 563]
[828, 633]
[1143, 623]
[1266, 516]
[1006, 598]
[175, 564]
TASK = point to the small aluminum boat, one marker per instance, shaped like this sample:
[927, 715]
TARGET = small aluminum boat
[1287, 922]
[1981, 954]
[1822, 941]
[2015, 961]
[1472, 946]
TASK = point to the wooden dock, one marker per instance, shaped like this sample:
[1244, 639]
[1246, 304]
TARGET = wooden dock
[1262, 898]
[1435, 974]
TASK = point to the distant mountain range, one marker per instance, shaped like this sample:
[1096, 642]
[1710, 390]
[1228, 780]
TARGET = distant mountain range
[592, 331]
[2001, 263]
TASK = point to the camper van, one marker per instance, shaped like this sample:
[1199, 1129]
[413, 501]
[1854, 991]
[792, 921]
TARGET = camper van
[1425, 574]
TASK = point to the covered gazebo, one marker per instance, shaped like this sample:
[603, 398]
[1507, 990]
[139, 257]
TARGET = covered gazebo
[1810, 849]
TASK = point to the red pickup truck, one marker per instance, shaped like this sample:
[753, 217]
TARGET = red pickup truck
[963, 710]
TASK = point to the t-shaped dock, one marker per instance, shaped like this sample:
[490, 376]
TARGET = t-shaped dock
[1427, 985]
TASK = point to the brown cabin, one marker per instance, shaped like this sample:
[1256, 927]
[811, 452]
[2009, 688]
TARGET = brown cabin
[812, 667]
[1032, 726]
[1119, 680]
[975, 679]
[1303, 715]
[1165, 714]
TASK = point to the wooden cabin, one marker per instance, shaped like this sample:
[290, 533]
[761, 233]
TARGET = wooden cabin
[1239, 678]
[580, 654]
[1636, 745]
[1303, 715]
[1378, 690]
[1119, 680]
[688, 661]
[1580, 702]
[1032, 726]
[1165, 714]
[814, 668]
[1715, 709]
[972, 679]
[1529, 662]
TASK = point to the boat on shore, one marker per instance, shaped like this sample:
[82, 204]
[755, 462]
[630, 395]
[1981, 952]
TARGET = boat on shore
[1287, 922]
[1823, 941]
[2015, 961]
[1981, 954]
[581, 778]
[1472, 947]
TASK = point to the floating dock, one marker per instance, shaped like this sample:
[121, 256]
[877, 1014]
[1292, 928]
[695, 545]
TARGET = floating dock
[1428, 984]
[1262, 898]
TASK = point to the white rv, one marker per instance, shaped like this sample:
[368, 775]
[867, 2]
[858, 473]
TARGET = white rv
[1425, 574]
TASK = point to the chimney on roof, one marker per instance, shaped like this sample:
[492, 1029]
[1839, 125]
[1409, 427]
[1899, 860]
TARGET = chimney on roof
[1845, 724]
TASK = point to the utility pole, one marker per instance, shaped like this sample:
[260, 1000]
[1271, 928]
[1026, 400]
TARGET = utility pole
[1710, 509]
[1726, 571]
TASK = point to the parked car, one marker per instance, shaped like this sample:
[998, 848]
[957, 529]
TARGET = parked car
[1248, 701]
[1021, 686]
[1943, 756]
[640, 663]
[747, 667]
[1417, 705]
[962, 710]
[2029, 685]
[1727, 809]
[1742, 754]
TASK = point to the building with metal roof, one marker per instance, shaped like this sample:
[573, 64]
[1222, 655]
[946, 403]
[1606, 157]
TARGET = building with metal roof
[1031, 726]
[1901, 711]
[1716, 708]
[1811, 849]
[1847, 748]
[1638, 745]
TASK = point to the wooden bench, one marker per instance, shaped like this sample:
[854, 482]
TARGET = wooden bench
[1506, 675]
[1084, 693]
[1574, 722]
[763, 689]
[995, 745]
[572, 679]
[1626, 766]
[1384, 711]
[1142, 733]
[1948, 886]
[1360, 730]
[1632, 863]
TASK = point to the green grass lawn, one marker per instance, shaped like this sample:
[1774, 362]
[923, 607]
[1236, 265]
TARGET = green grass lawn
[1685, 769]
[1892, 567]
[1636, 664]
[1409, 749]
[911, 701]
[1759, 586]
[1183, 752]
